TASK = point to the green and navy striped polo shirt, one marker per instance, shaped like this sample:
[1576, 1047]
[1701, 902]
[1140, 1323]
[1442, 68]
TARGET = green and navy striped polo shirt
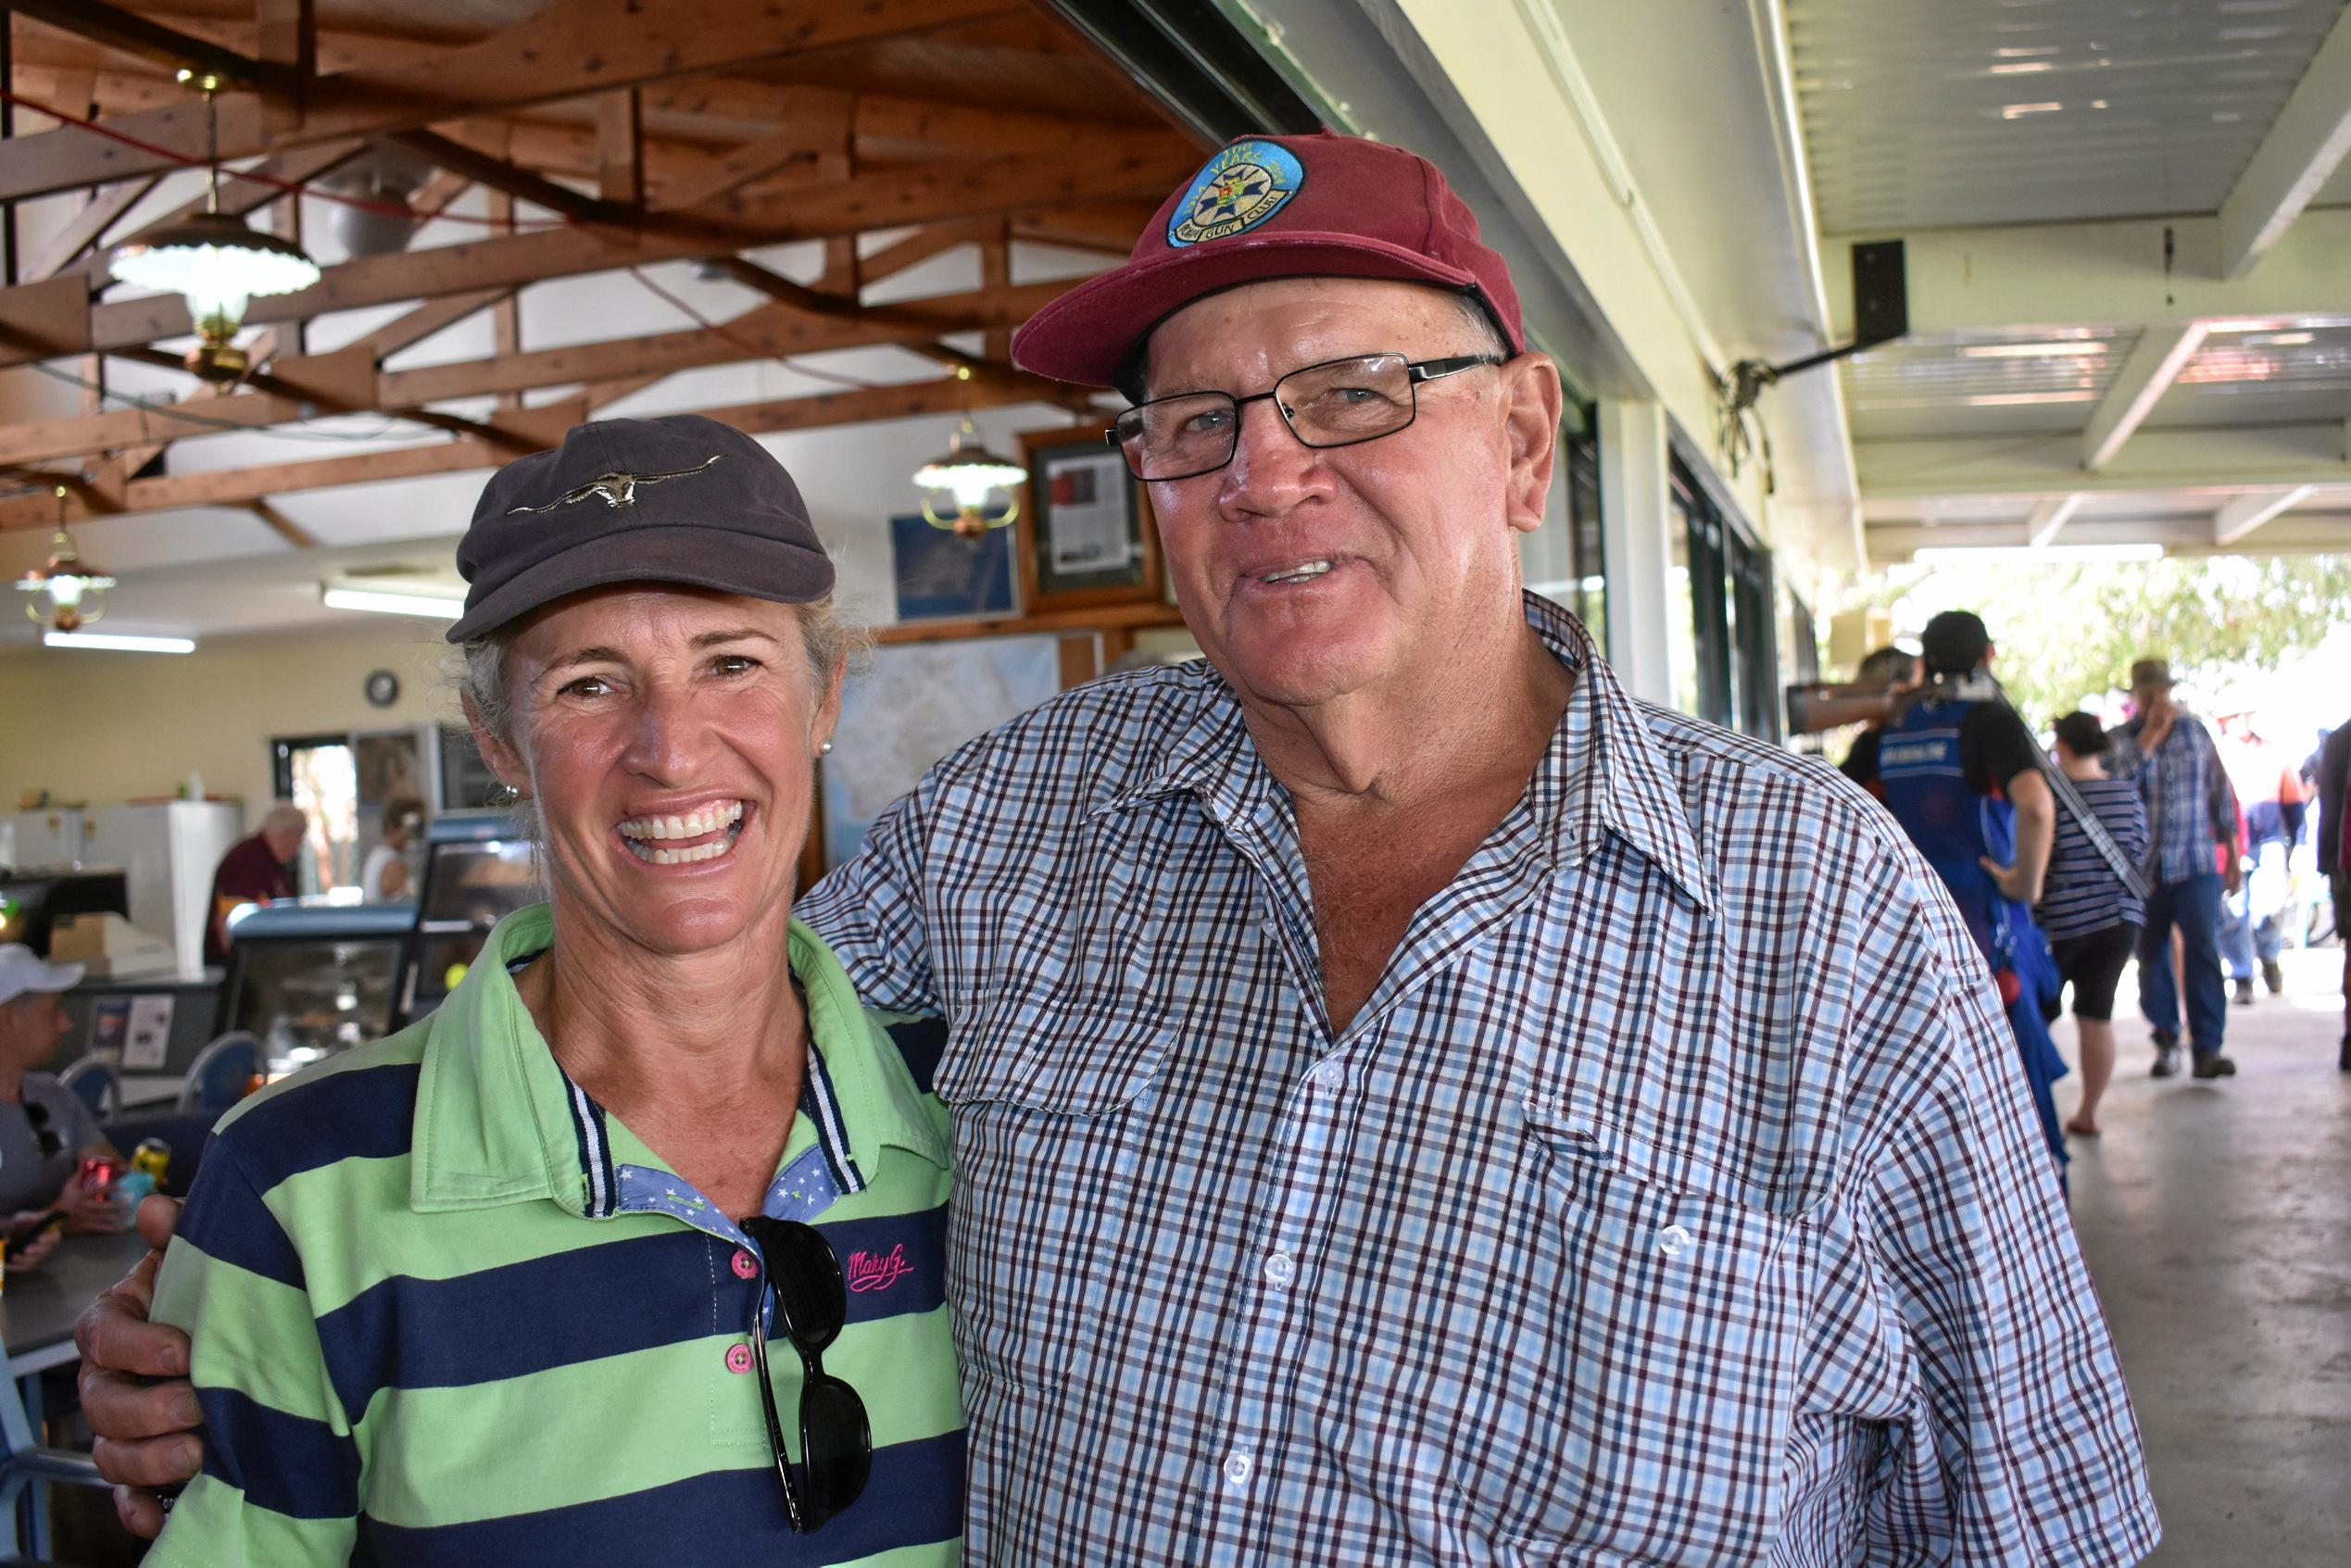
[446, 1310]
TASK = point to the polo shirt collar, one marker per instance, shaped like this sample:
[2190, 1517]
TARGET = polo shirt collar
[1602, 773]
[498, 1121]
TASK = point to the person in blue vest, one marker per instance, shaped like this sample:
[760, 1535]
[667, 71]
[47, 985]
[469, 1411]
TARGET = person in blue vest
[1962, 776]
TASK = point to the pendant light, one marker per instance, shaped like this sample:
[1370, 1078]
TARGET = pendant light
[68, 594]
[215, 260]
[971, 473]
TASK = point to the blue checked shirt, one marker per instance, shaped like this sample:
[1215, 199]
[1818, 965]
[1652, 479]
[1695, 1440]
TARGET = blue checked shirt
[2191, 808]
[1675, 1197]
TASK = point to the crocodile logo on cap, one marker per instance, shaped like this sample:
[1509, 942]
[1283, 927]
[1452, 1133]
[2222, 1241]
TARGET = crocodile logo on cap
[1237, 190]
[617, 489]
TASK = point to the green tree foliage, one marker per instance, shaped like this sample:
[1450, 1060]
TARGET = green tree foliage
[2067, 635]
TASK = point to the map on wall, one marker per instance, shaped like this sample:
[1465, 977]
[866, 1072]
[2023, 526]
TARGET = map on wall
[917, 703]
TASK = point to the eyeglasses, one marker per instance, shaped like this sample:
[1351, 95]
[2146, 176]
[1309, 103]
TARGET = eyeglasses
[43, 1135]
[1337, 403]
[811, 1303]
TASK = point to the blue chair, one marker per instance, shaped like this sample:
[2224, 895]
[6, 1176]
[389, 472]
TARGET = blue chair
[94, 1079]
[218, 1077]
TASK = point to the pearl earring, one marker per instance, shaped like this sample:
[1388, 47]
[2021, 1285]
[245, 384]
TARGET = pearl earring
[825, 749]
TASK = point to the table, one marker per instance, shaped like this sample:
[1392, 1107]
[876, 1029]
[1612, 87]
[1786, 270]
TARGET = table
[37, 1314]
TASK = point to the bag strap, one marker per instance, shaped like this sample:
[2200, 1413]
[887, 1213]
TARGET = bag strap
[2070, 799]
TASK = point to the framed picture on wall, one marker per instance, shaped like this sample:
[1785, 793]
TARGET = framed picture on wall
[1087, 522]
[938, 574]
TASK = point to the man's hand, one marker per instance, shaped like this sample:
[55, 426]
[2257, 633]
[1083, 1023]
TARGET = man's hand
[2157, 729]
[2232, 878]
[2015, 882]
[24, 1260]
[86, 1209]
[146, 1428]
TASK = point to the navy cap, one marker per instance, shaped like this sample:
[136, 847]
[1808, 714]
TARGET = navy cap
[680, 499]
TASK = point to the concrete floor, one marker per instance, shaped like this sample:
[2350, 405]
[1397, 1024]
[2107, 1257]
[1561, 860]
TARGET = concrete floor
[2217, 1222]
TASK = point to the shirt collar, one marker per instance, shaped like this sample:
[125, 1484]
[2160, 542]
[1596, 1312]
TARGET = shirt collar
[1602, 773]
[498, 1121]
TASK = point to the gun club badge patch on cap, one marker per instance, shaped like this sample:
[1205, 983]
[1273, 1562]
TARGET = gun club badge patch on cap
[1236, 190]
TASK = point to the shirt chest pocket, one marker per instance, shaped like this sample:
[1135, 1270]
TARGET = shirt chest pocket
[1651, 1326]
[1053, 1103]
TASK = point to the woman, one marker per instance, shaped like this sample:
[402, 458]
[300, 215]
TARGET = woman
[45, 1131]
[2091, 917]
[385, 878]
[496, 1289]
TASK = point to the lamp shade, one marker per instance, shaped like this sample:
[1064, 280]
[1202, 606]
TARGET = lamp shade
[970, 472]
[218, 263]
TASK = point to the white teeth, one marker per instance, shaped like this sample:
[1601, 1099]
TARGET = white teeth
[1298, 574]
[693, 824]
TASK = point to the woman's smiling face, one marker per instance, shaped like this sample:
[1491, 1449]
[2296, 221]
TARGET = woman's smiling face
[668, 735]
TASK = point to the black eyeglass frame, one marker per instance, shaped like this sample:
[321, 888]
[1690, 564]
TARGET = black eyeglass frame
[1415, 372]
[808, 1504]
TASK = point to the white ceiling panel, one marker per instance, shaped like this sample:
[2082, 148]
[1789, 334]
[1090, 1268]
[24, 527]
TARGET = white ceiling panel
[1954, 112]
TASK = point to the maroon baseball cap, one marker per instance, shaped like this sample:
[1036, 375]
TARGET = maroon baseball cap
[1274, 207]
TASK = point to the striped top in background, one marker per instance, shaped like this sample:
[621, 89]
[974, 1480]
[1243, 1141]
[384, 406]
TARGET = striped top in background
[447, 1310]
[2079, 895]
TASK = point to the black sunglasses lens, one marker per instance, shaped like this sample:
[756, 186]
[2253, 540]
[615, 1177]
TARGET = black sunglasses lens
[807, 1278]
[837, 1446]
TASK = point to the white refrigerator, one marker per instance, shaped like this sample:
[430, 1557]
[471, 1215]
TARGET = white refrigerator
[168, 852]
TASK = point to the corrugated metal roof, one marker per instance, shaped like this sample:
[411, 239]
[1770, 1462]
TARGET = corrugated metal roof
[1980, 383]
[2287, 373]
[1953, 112]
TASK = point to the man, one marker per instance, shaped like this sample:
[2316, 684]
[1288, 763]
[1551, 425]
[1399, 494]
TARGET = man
[1962, 776]
[2332, 776]
[1898, 672]
[2190, 810]
[45, 1131]
[2252, 919]
[1412, 1104]
[256, 869]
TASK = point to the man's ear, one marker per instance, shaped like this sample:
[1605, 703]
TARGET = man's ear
[1531, 402]
[504, 762]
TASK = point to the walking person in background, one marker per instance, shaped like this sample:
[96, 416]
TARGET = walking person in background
[2334, 769]
[2091, 917]
[2169, 755]
[1962, 775]
[1899, 672]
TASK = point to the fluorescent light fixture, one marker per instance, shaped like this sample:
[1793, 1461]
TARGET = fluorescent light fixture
[2006, 399]
[2026, 554]
[2279, 340]
[2252, 324]
[432, 607]
[2021, 68]
[117, 641]
[2072, 348]
[2018, 111]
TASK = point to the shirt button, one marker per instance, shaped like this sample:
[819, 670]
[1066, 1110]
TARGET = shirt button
[1331, 1076]
[746, 1266]
[1238, 1467]
[1672, 1240]
[739, 1358]
[1279, 1269]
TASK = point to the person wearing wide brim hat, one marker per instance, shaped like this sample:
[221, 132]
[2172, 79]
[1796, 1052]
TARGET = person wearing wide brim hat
[2195, 860]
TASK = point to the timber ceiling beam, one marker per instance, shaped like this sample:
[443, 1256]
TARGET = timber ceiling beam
[2303, 144]
[34, 325]
[242, 487]
[128, 33]
[570, 49]
[456, 158]
[347, 380]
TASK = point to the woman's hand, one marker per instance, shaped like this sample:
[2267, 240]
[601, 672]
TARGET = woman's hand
[87, 1208]
[146, 1428]
[23, 1260]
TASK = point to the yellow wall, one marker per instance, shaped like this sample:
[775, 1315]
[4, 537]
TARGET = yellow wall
[105, 727]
